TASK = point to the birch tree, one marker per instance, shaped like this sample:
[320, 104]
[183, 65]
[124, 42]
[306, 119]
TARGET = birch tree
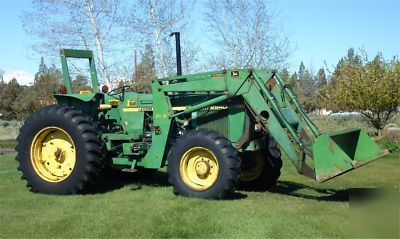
[246, 34]
[88, 24]
[155, 20]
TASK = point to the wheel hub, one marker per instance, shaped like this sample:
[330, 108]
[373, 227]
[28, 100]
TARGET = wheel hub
[53, 154]
[59, 154]
[202, 168]
[199, 168]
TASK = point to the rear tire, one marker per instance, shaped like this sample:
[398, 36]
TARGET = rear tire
[59, 151]
[261, 169]
[204, 164]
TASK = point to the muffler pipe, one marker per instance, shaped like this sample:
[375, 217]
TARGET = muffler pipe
[178, 52]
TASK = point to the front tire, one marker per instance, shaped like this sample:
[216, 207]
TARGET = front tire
[261, 169]
[204, 164]
[59, 151]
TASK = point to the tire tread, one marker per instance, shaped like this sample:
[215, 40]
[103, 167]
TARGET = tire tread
[91, 152]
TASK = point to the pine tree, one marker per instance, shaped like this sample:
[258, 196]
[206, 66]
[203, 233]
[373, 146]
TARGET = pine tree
[1, 76]
[80, 83]
[2, 83]
[145, 71]
[47, 80]
[302, 70]
[285, 75]
[321, 80]
[305, 89]
[9, 94]
[42, 70]
[293, 82]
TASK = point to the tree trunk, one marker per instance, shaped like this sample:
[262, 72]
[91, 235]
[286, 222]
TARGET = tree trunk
[98, 40]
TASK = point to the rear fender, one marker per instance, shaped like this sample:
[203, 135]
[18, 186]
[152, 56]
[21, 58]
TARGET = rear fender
[87, 103]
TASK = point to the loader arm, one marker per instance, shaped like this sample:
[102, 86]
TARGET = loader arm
[276, 109]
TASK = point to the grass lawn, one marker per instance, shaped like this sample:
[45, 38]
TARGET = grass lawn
[133, 207]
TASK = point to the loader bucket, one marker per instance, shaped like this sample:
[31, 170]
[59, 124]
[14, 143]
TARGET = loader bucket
[340, 152]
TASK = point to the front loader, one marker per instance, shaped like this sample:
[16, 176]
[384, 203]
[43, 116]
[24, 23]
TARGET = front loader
[214, 131]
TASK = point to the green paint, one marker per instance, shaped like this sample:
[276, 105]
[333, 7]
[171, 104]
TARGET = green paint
[70, 53]
[296, 103]
[258, 104]
[203, 105]
[236, 129]
[139, 127]
[337, 153]
[162, 116]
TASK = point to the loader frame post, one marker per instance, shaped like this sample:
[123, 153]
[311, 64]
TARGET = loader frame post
[275, 107]
[294, 100]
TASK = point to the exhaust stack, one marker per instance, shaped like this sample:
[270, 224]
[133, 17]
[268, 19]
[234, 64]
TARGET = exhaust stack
[178, 52]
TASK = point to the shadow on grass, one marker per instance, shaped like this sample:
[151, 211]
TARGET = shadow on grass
[117, 179]
[307, 192]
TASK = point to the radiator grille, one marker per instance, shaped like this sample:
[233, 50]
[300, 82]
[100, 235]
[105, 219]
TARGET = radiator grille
[214, 119]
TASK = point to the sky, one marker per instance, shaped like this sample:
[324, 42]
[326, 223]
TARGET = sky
[320, 32]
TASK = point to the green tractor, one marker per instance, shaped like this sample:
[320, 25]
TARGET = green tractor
[213, 131]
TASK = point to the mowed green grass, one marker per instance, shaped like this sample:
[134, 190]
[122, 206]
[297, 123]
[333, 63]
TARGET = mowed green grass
[133, 207]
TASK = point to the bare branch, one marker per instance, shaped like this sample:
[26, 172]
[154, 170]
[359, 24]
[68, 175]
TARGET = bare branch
[245, 34]
[84, 24]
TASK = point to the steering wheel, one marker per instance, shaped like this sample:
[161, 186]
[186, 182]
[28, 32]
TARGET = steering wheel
[119, 90]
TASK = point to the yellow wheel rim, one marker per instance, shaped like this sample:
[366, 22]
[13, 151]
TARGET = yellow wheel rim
[53, 154]
[199, 168]
[250, 174]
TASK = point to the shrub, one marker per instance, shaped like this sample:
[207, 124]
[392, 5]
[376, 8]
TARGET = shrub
[392, 146]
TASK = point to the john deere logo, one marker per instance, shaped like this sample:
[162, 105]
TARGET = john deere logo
[234, 73]
[130, 103]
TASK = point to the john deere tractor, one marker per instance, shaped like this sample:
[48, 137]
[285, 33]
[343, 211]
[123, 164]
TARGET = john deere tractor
[213, 131]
